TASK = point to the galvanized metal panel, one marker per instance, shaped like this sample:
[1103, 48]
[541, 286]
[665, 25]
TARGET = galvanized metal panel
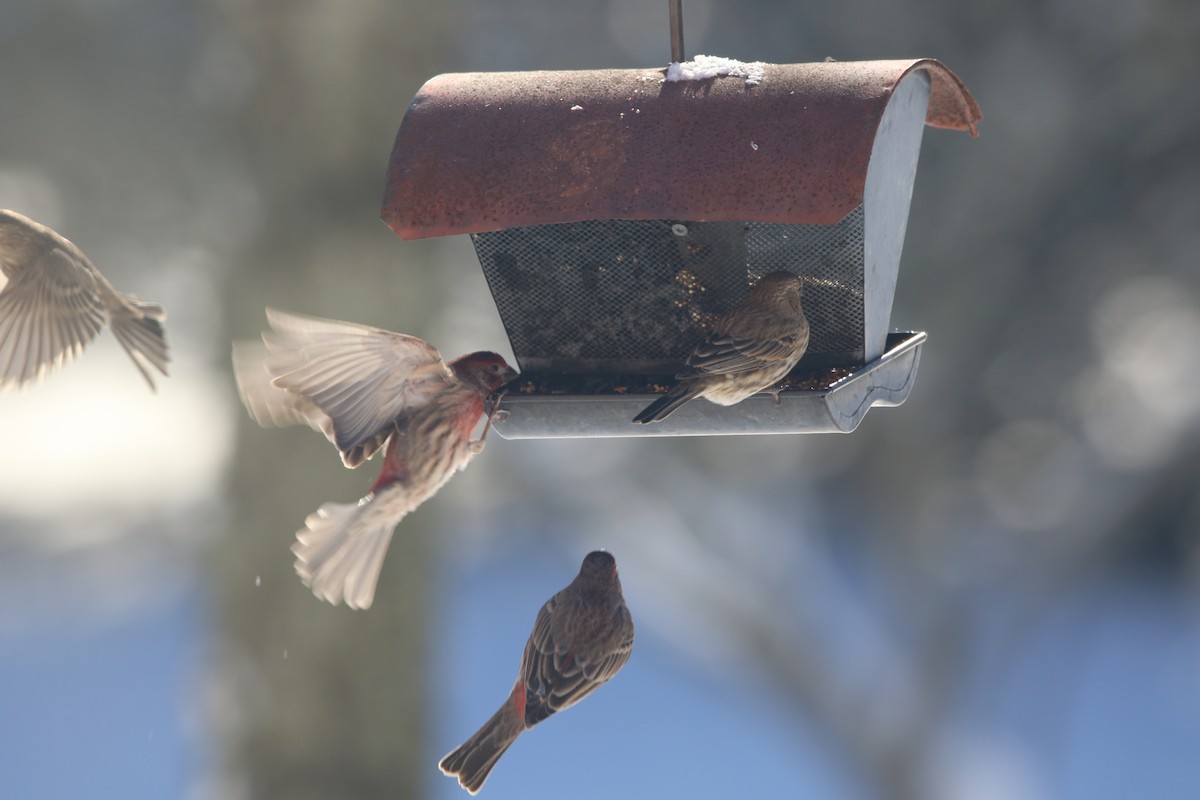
[886, 381]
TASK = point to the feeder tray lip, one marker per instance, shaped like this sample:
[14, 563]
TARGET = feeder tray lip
[839, 408]
[487, 151]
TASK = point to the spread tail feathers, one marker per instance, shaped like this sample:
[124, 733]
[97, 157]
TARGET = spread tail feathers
[139, 329]
[473, 760]
[340, 551]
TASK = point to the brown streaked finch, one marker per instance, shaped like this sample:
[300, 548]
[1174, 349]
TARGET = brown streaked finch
[367, 389]
[749, 350]
[581, 638]
[53, 302]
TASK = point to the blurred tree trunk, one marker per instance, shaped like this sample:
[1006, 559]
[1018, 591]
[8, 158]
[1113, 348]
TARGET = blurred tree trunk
[332, 699]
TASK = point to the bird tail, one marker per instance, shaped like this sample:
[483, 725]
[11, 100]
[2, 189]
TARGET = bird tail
[138, 326]
[664, 406]
[473, 760]
[340, 551]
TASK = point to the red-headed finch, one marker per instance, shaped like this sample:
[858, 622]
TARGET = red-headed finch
[749, 350]
[581, 638]
[367, 389]
[53, 302]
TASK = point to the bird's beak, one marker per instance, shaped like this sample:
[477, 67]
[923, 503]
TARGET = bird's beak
[508, 376]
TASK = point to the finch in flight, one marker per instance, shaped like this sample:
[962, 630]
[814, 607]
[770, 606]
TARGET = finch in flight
[53, 302]
[581, 638]
[367, 390]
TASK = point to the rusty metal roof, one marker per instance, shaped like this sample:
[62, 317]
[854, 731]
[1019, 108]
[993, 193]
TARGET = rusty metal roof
[487, 151]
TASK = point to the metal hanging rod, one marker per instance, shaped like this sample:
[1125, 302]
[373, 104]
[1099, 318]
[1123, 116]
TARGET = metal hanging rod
[676, 12]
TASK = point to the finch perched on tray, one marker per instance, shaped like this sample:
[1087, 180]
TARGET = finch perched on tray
[750, 349]
[581, 638]
[53, 302]
[367, 389]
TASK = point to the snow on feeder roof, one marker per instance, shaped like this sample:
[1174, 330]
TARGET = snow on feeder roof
[618, 213]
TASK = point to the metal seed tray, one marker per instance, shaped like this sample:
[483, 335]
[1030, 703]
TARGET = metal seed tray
[838, 408]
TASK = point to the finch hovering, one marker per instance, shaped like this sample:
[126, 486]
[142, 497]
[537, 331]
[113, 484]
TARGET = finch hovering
[53, 302]
[749, 350]
[581, 638]
[367, 389]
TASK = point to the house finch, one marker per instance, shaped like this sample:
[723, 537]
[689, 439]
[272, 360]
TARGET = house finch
[365, 389]
[581, 638]
[749, 349]
[53, 301]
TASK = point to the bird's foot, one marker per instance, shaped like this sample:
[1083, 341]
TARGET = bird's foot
[494, 413]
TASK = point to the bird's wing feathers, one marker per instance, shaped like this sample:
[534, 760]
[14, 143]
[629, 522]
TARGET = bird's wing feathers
[48, 311]
[268, 404]
[544, 680]
[599, 670]
[559, 673]
[361, 378]
[726, 354]
[540, 642]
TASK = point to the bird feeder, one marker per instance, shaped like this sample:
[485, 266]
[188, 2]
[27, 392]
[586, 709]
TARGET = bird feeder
[618, 213]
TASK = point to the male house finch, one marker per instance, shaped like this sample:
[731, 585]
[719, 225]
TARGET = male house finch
[581, 638]
[53, 301]
[365, 388]
[749, 349]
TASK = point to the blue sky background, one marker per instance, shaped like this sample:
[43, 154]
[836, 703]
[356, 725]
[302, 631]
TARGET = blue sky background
[1103, 702]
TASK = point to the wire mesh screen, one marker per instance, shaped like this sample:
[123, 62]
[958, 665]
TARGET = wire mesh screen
[635, 296]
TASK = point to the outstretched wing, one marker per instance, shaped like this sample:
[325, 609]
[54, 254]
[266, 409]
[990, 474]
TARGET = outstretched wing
[48, 310]
[268, 404]
[361, 378]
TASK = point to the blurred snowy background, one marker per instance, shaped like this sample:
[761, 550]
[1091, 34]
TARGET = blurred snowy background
[991, 592]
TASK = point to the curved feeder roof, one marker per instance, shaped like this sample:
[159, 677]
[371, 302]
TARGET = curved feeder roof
[617, 213]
